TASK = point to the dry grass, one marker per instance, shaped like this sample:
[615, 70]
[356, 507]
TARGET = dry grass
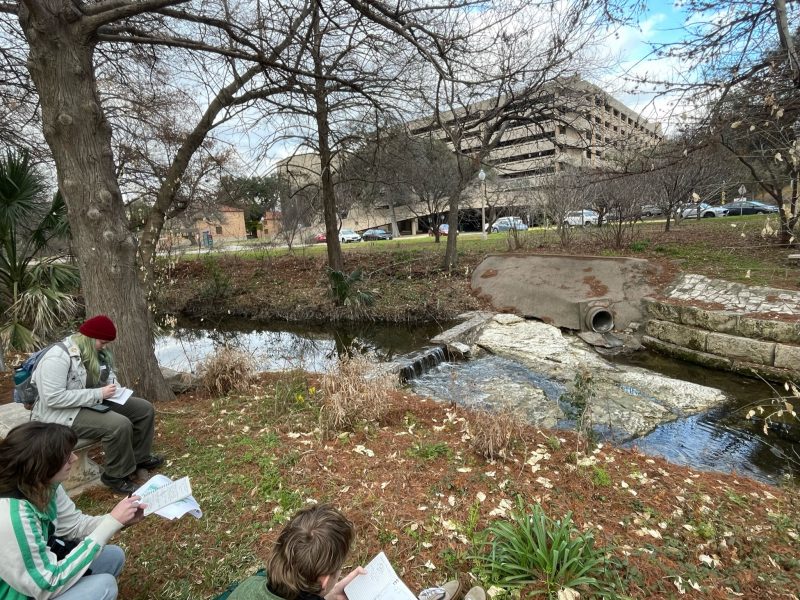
[227, 371]
[354, 393]
[493, 433]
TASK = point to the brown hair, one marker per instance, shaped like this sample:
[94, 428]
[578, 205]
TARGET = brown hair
[30, 456]
[313, 544]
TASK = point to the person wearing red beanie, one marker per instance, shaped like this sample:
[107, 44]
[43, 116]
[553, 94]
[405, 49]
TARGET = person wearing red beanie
[74, 381]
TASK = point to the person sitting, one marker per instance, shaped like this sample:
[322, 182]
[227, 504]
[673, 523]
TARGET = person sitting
[306, 562]
[307, 559]
[50, 548]
[73, 379]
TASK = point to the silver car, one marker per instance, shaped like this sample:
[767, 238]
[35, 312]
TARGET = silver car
[704, 211]
[579, 218]
[348, 235]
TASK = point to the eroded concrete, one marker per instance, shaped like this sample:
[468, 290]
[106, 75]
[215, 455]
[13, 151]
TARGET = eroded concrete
[559, 289]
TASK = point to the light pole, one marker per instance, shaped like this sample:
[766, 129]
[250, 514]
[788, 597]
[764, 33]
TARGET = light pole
[482, 177]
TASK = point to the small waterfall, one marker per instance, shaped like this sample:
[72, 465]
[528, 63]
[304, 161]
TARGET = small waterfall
[415, 364]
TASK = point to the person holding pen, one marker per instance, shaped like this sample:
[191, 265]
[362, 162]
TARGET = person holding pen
[50, 548]
[74, 381]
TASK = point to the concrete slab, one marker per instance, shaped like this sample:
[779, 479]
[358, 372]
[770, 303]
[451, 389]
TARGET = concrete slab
[560, 289]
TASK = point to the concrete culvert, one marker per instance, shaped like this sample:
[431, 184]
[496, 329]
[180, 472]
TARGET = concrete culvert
[599, 319]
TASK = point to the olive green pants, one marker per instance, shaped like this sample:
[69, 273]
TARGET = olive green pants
[126, 432]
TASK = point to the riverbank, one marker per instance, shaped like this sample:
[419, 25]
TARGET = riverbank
[409, 285]
[417, 490]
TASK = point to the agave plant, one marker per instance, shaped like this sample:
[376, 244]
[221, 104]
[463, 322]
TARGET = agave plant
[35, 285]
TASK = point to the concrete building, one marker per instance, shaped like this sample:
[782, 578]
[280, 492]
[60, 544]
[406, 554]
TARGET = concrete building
[576, 124]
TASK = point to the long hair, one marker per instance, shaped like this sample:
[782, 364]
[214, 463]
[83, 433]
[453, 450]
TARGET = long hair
[31, 455]
[314, 543]
[91, 358]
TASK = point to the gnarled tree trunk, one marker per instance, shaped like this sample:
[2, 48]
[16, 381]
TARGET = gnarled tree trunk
[60, 63]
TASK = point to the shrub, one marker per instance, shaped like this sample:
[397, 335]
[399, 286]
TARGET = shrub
[541, 555]
[345, 289]
[227, 371]
[354, 393]
[493, 433]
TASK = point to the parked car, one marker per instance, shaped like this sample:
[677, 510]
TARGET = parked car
[320, 238]
[508, 224]
[748, 207]
[651, 210]
[373, 235]
[581, 218]
[348, 235]
[703, 210]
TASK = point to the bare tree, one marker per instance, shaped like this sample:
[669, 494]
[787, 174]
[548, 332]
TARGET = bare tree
[512, 77]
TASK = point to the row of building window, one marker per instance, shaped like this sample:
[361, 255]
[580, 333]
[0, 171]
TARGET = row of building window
[528, 172]
[524, 156]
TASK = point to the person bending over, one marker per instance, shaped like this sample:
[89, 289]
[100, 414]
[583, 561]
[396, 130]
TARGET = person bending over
[73, 379]
[306, 561]
[50, 548]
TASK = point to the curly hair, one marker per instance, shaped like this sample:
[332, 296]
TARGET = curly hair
[313, 544]
[31, 455]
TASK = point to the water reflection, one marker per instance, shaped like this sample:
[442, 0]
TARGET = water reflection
[281, 346]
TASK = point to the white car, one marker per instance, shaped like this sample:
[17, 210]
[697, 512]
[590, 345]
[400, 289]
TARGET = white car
[580, 218]
[348, 235]
[704, 211]
[508, 223]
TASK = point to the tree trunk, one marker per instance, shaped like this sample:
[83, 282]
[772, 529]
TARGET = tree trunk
[334, 248]
[61, 65]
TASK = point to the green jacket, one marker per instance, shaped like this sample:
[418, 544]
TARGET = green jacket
[253, 588]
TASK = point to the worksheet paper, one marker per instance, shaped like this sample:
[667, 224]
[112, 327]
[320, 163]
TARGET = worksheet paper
[380, 583]
[167, 498]
[121, 395]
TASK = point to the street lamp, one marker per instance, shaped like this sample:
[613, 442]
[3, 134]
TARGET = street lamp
[482, 177]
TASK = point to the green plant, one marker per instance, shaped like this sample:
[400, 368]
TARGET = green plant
[639, 246]
[601, 478]
[430, 451]
[541, 555]
[218, 284]
[553, 443]
[345, 291]
[35, 284]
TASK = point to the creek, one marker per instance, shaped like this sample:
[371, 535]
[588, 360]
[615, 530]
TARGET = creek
[719, 439]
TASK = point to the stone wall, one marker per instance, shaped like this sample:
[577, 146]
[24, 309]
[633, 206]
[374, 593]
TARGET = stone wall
[725, 340]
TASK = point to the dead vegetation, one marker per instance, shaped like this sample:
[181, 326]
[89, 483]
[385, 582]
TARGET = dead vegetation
[354, 393]
[492, 434]
[228, 371]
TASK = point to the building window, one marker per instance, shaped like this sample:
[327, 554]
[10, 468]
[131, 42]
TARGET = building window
[218, 229]
[562, 129]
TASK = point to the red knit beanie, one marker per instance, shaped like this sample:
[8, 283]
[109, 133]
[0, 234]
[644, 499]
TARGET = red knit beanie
[99, 327]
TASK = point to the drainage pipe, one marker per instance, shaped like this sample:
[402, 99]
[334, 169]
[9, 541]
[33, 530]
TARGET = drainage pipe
[599, 319]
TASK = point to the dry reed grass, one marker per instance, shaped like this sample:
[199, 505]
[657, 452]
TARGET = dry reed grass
[492, 434]
[227, 371]
[354, 393]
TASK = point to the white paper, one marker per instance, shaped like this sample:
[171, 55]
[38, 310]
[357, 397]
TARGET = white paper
[167, 498]
[121, 395]
[380, 583]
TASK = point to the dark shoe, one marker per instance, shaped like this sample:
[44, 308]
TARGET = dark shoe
[120, 485]
[151, 462]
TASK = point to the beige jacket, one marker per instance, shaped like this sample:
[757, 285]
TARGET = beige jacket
[60, 380]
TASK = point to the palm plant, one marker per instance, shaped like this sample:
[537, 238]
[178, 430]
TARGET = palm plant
[34, 289]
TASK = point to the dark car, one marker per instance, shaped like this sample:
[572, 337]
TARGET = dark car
[749, 207]
[373, 235]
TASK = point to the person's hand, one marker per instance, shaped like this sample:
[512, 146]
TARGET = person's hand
[337, 593]
[108, 390]
[129, 511]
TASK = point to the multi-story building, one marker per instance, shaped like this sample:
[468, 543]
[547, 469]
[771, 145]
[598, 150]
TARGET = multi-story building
[571, 124]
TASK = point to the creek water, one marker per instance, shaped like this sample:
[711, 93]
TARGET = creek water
[720, 439]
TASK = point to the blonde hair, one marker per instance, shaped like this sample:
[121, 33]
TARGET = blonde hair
[91, 358]
[313, 544]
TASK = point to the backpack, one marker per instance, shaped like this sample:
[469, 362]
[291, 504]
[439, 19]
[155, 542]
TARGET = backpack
[24, 391]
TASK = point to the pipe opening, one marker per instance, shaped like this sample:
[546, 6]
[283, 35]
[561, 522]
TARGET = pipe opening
[599, 319]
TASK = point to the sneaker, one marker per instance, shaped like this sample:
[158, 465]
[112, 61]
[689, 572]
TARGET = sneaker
[120, 485]
[475, 593]
[150, 462]
[449, 591]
